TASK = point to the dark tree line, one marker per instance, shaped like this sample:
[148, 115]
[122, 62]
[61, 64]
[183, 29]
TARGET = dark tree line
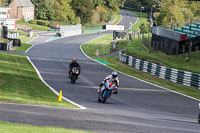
[74, 11]
[168, 11]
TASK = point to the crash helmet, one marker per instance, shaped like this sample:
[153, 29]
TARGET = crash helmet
[74, 60]
[114, 74]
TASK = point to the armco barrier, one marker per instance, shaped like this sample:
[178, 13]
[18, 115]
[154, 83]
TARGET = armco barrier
[178, 76]
[13, 35]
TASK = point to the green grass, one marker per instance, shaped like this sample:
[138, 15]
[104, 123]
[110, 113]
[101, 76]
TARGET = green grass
[21, 33]
[177, 62]
[142, 19]
[117, 20]
[35, 26]
[91, 31]
[20, 83]
[101, 44]
[135, 27]
[6, 127]
[24, 46]
[116, 64]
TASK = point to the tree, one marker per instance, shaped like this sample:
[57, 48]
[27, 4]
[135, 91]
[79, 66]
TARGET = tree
[44, 9]
[137, 4]
[83, 9]
[58, 10]
[5, 2]
[195, 7]
[171, 11]
[144, 28]
[188, 13]
[102, 11]
[108, 8]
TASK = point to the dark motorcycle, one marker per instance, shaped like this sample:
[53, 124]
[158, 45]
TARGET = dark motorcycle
[106, 90]
[74, 75]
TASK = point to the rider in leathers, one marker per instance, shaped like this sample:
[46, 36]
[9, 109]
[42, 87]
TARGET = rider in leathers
[74, 63]
[113, 76]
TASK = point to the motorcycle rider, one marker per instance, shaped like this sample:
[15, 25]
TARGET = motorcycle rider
[74, 63]
[112, 76]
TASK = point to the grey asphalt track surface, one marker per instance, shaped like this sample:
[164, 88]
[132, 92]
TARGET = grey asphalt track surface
[138, 107]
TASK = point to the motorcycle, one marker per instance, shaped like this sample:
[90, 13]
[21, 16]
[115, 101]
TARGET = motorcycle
[106, 90]
[74, 75]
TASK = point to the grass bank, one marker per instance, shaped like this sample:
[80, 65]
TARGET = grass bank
[117, 20]
[142, 19]
[116, 64]
[99, 46]
[24, 44]
[35, 26]
[20, 83]
[6, 127]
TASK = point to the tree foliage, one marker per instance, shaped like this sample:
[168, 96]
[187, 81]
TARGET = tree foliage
[107, 8]
[74, 11]
[44, 9]
[83, 9]
[59, 10]
[171, 11]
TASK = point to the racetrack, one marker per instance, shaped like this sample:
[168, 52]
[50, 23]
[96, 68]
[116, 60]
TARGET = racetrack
[139, 107]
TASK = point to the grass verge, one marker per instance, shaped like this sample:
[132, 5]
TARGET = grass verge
[24, 46]
[35, 26]
[6, 127]
[99, 46]
[20, 83]
[117, 20]
[142, 18]
[116, 64]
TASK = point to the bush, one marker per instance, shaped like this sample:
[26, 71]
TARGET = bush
[93, 25]
[54, 23]
[33, 21]
[42, 22]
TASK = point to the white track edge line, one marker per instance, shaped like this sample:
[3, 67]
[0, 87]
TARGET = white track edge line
[37, 105]
[31, 44]
[135, 77]
[52, 89]
[29, 49]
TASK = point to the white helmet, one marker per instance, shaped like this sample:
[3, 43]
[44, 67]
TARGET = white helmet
[114, 74]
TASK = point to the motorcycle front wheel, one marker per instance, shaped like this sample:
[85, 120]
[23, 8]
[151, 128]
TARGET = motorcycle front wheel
[99, 99]
[105, 96]
[73, 79]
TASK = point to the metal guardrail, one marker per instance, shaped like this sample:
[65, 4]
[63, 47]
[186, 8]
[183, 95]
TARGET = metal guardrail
[13, 35]
[178, 76]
